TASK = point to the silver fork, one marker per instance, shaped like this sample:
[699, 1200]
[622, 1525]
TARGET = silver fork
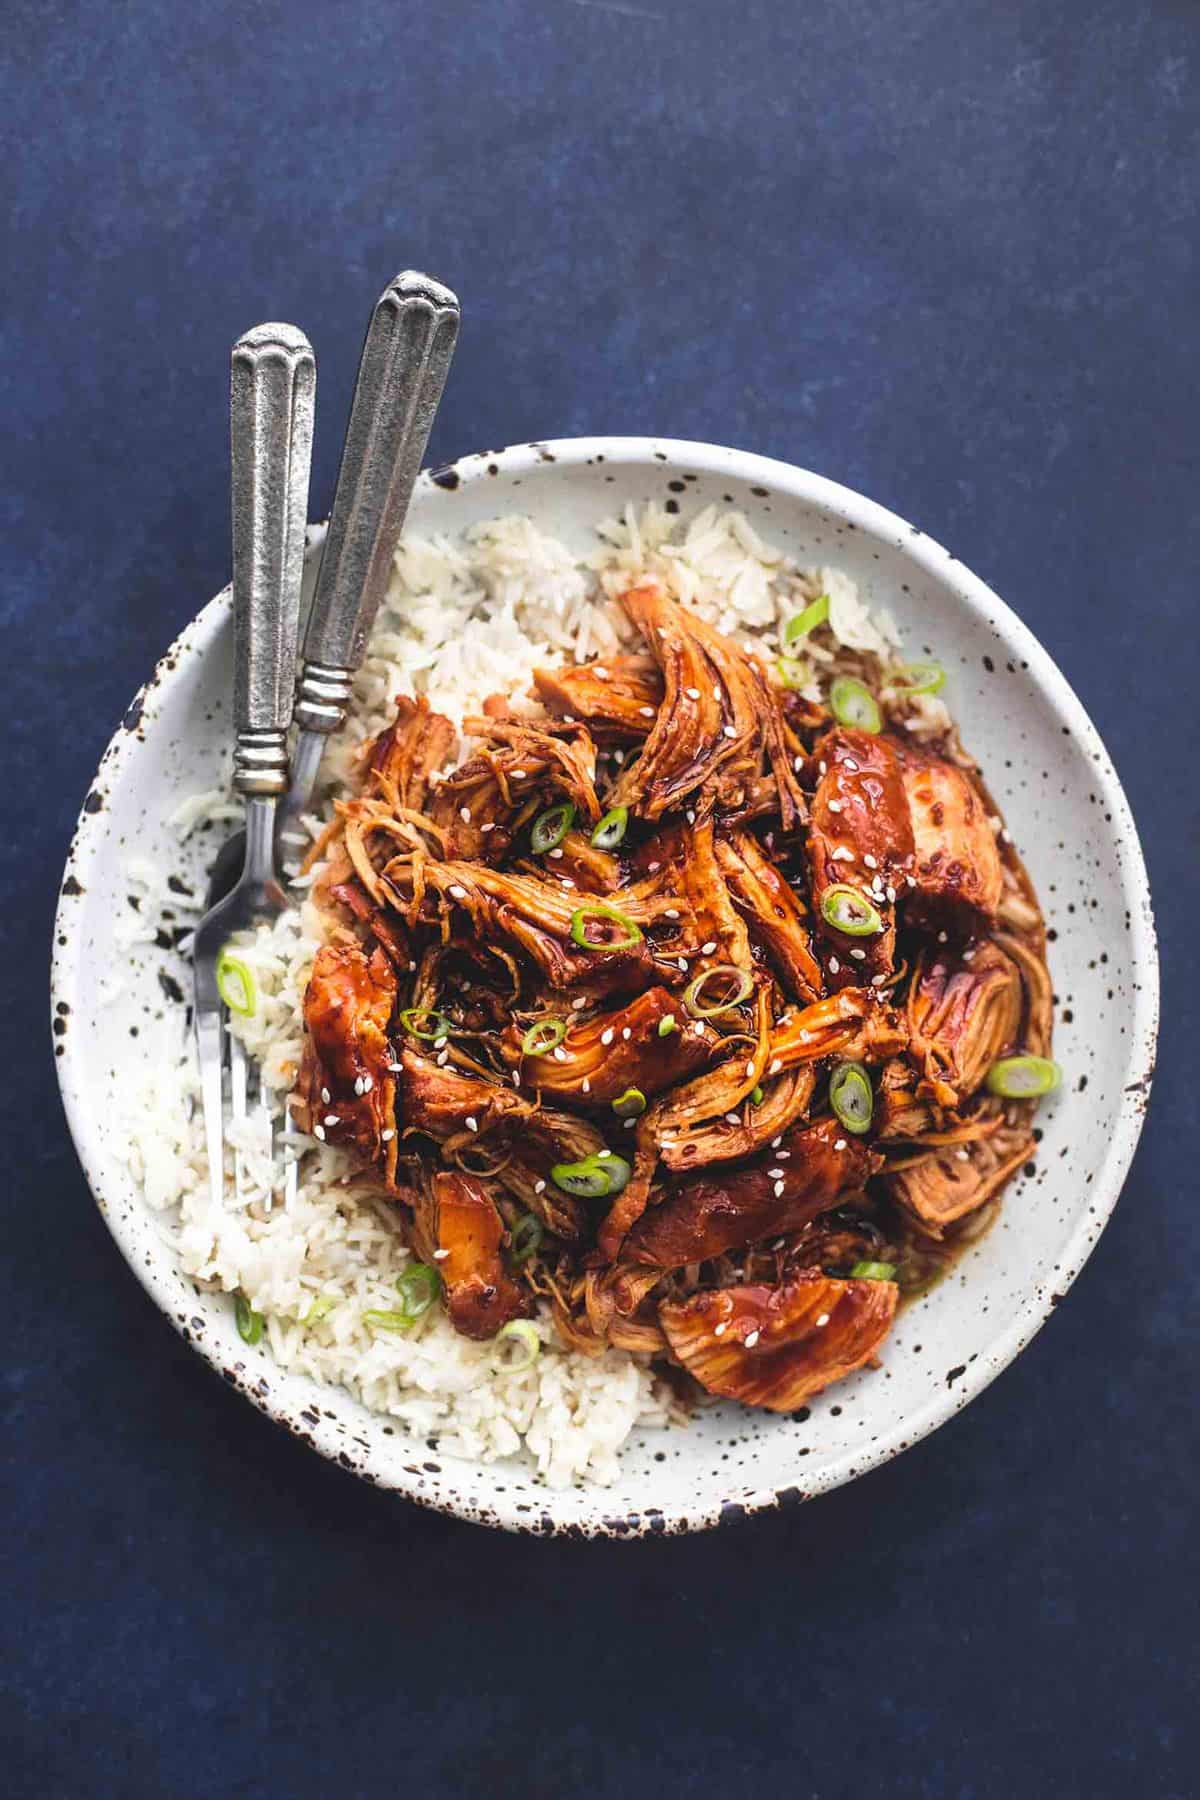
[272, 393]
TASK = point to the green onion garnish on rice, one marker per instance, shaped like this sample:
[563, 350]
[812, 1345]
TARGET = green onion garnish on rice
[236, 985]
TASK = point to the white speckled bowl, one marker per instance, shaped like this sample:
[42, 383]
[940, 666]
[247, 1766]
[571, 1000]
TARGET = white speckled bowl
[1048, 770]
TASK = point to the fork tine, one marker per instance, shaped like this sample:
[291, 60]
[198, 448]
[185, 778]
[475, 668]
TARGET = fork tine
[291, 1157]
[237, 1095]
[208, 1040]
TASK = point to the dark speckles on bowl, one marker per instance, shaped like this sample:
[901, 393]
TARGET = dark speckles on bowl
[947, 1346]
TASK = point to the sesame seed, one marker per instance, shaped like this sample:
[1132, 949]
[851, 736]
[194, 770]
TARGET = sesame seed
[358, 1086]
[326, 1096]
[878, 980]
[464, 813]
[628, 1124]
[778, 1190]
[776, 1141]
[578, 1005]
[859, 955]
[560, 1054]
[457, 892]
[1006, 837]
[729, 731]
[732, 1119]
[606, 1037]
[823, 1320]
[776, 1065]
[654, 867]
[871, 861]
[586, 1084]
[672, 912]
[568, 718]
[691, 817]
[647, 712]
[750, 1070]
[911, 880]
[472, 1123]
[843, 853]
[368, 1082]
[331, 1119]
[822, 766]
[319, 1132]
[848, 762]
[751, 1339]
[516, 1078]
[797, 763]
[707, 949]
[440, 1043]
[721, 1329]
[626, 1032]
[698, 1028]
[891, 894]
[601, 674]
[834, 965]
[963, 1155]
[387, 1136]
[692, 693]
[683, 964]
[440, 1255]
[835, 806]
[941, 937]
[566, 881]
[490, 826]
[717, 696]
[518, 774]
[556, 854]
[442, 1058]
[539, 1186]
[775, 1174]
[840, 1144]
[783, 1155]
[618, 757]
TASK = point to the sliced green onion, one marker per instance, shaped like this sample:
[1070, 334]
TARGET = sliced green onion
[525, 1238]
[808, 620]
[543, 1037]
[631, 1104]
[321, 1307]
[610, 915]
[423, 1022]
[1023, 1077]
[756, 1096]
[619, 1170]
[919, 678]
[522, 1333]
[594, 1177]
[612, 828]
[852, 1097]
[235, 984]
[551, 827]
[418, 1288]
[668, 1025]
[849, 911]
[743, 986]
[381, 1320]
[249, 1323]
[792, 672]
[855, 705]
[873, 1271]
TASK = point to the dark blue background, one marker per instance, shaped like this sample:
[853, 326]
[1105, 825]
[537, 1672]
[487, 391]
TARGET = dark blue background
[942, 250]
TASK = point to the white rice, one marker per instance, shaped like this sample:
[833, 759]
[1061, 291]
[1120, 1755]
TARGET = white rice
[462, 621]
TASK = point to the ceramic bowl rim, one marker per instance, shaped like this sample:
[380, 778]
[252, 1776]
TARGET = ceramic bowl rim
[1032, 1310]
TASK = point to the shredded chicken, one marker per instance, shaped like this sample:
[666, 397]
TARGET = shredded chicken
[594, 1013]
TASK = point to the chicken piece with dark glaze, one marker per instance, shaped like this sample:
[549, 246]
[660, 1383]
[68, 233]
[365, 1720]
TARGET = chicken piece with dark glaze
[776, 1347]
[707, 1215]
[458, 1231]
[602, 1057]
[346, 1093]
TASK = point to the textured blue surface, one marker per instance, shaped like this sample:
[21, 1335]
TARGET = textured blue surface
[942, 250]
